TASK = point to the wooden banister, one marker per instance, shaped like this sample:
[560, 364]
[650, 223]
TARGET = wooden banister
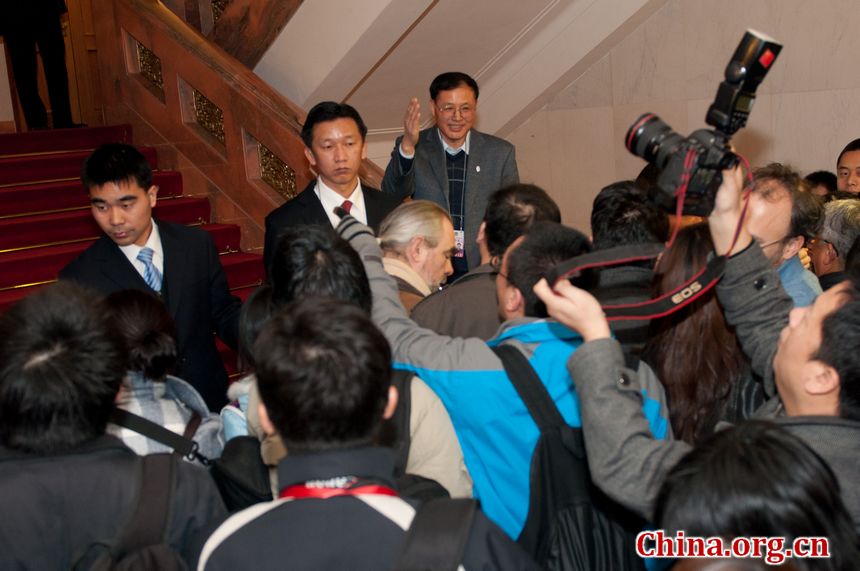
[206, 113]
[247, 28]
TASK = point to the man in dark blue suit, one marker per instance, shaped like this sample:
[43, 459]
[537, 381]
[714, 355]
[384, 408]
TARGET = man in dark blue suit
[333, 134]
[178, 262]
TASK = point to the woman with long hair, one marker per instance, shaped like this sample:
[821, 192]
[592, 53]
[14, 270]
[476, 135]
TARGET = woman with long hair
[694, 352]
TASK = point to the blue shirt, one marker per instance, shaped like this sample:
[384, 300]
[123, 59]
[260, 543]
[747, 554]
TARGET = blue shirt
[798, 282]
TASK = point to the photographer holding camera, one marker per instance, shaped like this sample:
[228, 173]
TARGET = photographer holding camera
[782, 215]
[800, 353]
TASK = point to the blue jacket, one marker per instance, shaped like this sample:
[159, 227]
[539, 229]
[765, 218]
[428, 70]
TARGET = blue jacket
[496, 433]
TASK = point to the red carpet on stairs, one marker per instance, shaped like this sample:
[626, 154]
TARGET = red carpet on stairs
[62, 165]
[62, 140]
[65, 194]
[45, 219]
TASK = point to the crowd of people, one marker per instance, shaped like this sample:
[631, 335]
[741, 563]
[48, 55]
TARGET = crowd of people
[414, 388]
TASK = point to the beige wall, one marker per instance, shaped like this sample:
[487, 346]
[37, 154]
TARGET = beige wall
[808, 107]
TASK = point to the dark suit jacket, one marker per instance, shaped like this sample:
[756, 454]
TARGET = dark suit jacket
[194, 289]
[492, 164]
[306, 208]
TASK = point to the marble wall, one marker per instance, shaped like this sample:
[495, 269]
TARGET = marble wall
[671, 65]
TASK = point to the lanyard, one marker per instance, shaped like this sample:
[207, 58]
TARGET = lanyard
[302, 491]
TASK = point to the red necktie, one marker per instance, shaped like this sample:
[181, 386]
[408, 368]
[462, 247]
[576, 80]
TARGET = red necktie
[347, 205]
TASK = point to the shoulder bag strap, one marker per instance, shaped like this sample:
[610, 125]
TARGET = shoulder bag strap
[192, 426]
[438, 535]
[149, 519]
[181, 445]
[530, 388]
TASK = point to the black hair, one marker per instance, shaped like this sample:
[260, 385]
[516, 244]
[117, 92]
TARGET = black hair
[147, 329]
[647, 178]
[824, 178]
[546, 244]
[840, 332]
[314, 260]
[256, 311]
[758, 480]
[850, 147]
[622, 215]
[60, 370]
[807, 214]
[452, 80]
[329, 111]
[807, 210]
[323, 370]
[512, 210]
[116, 163]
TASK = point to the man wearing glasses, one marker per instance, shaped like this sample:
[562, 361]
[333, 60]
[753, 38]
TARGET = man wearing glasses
[451, 163]
[782, 215]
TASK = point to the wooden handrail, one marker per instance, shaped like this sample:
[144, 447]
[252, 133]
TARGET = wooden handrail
[226, 165]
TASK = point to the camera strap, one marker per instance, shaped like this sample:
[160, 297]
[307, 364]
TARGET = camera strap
[661, 306]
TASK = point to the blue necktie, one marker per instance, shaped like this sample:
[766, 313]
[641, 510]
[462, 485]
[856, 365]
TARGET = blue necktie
[151, 275]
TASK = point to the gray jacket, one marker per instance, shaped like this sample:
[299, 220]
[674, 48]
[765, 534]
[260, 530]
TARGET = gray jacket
[630, 465]
[491, 165]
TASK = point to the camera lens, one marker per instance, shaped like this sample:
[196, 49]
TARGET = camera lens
[652, 139]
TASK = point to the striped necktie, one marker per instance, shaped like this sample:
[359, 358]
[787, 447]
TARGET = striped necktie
[151, 275]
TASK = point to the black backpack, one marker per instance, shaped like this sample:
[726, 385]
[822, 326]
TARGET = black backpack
[140, 544]
[571, 525]
[436, 540]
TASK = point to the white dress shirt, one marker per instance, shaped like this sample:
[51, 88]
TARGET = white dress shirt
[331, 200]
[132, 250]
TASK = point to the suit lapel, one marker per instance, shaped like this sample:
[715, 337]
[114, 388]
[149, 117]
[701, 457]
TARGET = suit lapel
[374, 205]
[116, 267]
[174, 267]
[436, 158]
[473, 174]
[312, 208]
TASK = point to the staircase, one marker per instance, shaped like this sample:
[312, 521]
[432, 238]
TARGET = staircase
[45, 219]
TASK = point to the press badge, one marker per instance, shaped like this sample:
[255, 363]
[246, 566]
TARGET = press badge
[460, 243]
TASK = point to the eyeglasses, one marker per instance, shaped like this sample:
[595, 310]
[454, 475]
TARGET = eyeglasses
[764, 245]
[452, 110]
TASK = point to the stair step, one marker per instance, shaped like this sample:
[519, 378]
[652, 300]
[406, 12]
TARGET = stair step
[244, 262]
[32, 266]
[61, 195]
[58, 166]
[21, 267]
[63, 227]
[244, 293]
[225, 236]
[9, 297]
[63, 139]
[242, 269]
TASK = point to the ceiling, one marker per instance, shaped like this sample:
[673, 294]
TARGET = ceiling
[376, 54]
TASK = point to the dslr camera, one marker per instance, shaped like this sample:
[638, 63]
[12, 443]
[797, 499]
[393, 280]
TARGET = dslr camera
[690, 169]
